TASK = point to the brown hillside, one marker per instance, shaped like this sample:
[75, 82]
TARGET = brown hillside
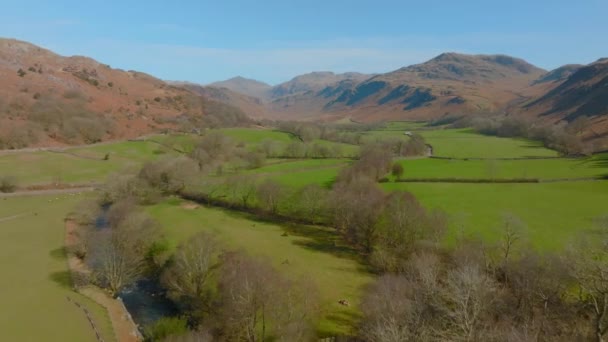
[450, 83]
[48, 99]
[245, 86]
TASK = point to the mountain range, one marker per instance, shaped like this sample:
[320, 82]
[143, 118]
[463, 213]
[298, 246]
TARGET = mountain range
[449, 84]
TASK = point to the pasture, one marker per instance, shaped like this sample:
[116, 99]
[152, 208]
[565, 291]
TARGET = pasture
[554, 213]
[313, 253]
[464, 143]
[544, 169]
[79, 165]
[35, 279]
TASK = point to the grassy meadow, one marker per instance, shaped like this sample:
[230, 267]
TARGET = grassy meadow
[36, 281]
[554, 213]
[313, 253]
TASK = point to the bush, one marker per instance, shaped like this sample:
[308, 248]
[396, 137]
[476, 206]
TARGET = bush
[165, 327]
[8, 184]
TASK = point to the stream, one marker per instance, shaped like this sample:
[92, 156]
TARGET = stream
[145, 299]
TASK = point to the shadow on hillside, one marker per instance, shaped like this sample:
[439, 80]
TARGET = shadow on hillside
[59, 253]
[62, 278]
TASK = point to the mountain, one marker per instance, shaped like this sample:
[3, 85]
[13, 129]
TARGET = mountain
[584, 93]
[448, 83]
[245, 86]
[253, 107]
[313, 81]
[48, 99]
[559, 74]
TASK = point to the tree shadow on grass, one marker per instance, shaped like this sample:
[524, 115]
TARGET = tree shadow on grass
[59, 253]
[62, 278]
[317, 238]
[342, 319]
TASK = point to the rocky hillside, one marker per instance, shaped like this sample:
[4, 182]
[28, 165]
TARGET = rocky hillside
[582, 92]
[450, 83]
[245, 86]
[48, 99]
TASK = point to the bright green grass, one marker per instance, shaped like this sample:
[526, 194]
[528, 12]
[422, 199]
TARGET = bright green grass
[295, 165]
[497, 169]
[298, 179]
[250, 135]
[35, 279]
[464, 143]
[49, 167]
[313, 253]
[402, 126]
[555, 213]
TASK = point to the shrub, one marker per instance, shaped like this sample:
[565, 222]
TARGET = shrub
[21, 73]
[8, 184]
[165, 327]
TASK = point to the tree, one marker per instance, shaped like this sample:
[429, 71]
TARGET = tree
[311, 202]
[242, 188]
[257, 303]
[356, 208]
[397, 170]
[188, 274]
[402, 225]
[468, 294]
[118, 255]
[590, 271]
[269, 194]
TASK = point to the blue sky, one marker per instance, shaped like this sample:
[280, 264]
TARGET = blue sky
[204, 41]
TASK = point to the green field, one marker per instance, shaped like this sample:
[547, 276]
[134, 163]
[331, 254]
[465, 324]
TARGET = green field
[555, 213]
[464, 143]
[313, 252]
[502, 169]
[79, 165]
[35, 278]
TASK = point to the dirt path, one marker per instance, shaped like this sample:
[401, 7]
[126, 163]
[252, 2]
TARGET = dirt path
[48, 192]
[122, 323]
[4, 219]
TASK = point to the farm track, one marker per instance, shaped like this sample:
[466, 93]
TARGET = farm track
[63, 191]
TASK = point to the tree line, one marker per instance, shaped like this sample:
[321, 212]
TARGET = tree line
[426, 290]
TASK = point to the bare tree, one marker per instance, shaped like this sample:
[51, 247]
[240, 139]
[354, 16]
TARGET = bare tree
[189, 272]
[311, 202]
[117, 255]
[241, 188]
[590, 270]
[259, 304]
[468, 294]
[270, 194]
[356, 208]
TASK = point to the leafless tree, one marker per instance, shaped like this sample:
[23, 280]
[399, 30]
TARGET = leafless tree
[188, 274]
[270, 194]
[258, 303]
[590, 271]
[311, 202]
[468, 294]
[356, 207]
[117, 255]
[241, 188]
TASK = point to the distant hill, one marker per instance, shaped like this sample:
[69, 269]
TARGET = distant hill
[448, 83]
[584, 92]
[48, 99]
[245, 86]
